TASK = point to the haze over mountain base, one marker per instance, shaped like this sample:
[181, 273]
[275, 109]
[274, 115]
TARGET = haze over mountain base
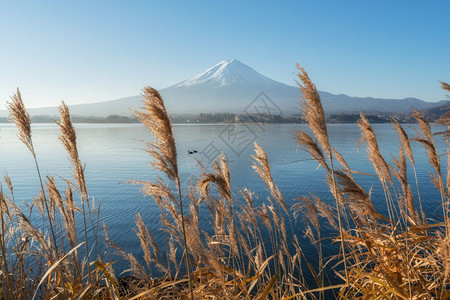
[232, 86]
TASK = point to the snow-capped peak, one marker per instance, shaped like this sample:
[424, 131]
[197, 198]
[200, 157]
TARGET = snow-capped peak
[227, 72]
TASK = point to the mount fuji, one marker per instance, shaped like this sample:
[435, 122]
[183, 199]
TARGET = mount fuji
[231, 86]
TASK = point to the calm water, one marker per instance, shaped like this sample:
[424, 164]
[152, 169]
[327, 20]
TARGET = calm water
[113, 155]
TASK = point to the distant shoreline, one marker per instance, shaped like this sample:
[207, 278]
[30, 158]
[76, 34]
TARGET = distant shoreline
[214, 123]
[231, 118]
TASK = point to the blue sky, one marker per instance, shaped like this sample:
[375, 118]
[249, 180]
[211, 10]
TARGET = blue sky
[88, 51]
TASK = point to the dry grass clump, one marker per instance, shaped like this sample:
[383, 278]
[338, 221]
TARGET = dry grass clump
[399, 256]
[40, 258]
[250, 249]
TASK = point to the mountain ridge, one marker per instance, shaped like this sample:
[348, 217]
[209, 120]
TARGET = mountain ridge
[232, 86]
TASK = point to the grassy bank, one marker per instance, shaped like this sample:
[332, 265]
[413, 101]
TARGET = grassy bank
[252, 250]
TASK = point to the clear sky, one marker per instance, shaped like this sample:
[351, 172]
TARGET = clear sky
[89, 51]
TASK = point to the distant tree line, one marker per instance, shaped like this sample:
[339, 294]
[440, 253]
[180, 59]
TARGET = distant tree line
[217, 118]
[80, 119]
[203, 118]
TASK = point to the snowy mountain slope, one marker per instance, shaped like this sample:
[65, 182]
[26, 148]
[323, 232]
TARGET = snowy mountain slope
[232, 86]
[227, 72]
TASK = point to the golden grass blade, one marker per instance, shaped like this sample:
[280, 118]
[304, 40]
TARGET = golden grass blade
[84, 291]
[55, 265]
[264, 295]
[102, 267]
[396, 290]
[259, 273]
[159, 287]
[325, 288]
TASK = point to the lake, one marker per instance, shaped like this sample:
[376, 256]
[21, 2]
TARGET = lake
[113, 155]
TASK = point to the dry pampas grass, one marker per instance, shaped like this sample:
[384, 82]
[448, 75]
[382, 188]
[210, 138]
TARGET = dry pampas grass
[22, 120]
[246, 247]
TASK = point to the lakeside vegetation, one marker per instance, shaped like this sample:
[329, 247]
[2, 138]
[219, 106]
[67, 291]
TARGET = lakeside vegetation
[79, 119]
[252, 250]
[439, 115]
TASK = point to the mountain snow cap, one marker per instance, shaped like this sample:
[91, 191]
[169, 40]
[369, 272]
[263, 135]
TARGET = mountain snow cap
[227, 72]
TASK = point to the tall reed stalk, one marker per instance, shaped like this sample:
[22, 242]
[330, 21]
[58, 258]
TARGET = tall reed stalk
[164, 153]
[315, 116]
[22, 120]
